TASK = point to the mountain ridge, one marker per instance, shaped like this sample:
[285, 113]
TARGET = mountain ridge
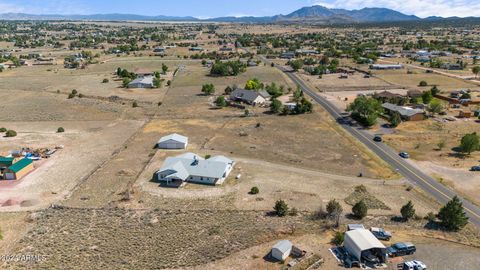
[316, 13]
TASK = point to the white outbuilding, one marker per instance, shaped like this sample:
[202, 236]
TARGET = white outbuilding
[364, 246]
[281, 250]
[173, 141]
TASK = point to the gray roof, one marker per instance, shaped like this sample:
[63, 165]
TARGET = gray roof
[245, 95]
[264, 94]
[283, 246]
[404, 111]
[221, 159]
[142, 80]
[175, 137]
[189, 164]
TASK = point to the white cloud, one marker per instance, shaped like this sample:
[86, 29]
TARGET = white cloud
[421, 8]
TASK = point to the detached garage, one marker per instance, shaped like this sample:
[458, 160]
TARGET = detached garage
[364, 246]
[173, 141]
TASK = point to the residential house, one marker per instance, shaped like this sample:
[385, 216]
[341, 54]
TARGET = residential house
[190, 167]
[173, 141]
[251, 97]
[384, 67]
[406, 113]
[287, 55]
[196, 49]
[142, 82]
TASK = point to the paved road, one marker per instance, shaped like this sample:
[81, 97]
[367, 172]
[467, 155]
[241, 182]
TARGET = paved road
[428, 184]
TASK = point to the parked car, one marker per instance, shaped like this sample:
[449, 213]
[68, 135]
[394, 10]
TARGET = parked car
[414, 265]
[381, 233]
[404, 155]
[401, 249]
[475, 169]
[377, 138]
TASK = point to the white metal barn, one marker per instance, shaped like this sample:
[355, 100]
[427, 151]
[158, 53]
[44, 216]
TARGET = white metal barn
[173, 141]
[281, 250]
[361, 243]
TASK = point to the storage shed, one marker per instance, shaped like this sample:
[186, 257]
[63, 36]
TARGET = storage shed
[173, 141]
[281, 250]
[18, 169]
[364, 246]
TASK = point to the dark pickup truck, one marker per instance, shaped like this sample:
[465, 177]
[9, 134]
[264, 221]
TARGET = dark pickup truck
[401, 249]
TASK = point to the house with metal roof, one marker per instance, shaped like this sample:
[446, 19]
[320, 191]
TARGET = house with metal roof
[173, 141]
[251, 97]
[406, 113]
[18, 169]
[190, 167]
[142, 82]
[364, 246]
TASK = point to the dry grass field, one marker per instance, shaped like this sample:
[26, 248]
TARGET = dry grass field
[93, 204]
[411, 81]
[148, 239]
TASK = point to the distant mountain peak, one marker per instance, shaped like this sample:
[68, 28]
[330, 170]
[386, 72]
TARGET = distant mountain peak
[312, 13]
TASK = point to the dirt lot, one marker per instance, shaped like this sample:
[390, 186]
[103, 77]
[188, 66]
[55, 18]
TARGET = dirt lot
[55, 177]
[356, 82]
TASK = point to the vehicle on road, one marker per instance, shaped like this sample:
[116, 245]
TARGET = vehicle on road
[401, 249]
[377, 138]
[475, 169]
[414, 265]
[381, 234]
[404, 155]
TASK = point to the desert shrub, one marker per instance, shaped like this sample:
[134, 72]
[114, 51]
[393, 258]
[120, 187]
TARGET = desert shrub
[293, 212]
[105, 80]
[281, 208]
[135, 104]
[338, 238]
[71, 95]
[254, 190]
[423, 84]
[3, 129]
[10, 133]
[360, 210]
[60, 130]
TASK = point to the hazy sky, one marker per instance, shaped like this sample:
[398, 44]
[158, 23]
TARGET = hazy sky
[217, 8]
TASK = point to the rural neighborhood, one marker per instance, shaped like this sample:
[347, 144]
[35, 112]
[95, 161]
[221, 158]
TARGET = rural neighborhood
[298, 137]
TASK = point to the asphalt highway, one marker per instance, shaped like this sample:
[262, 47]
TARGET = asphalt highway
[425, 182]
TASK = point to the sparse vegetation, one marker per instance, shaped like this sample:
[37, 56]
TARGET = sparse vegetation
[359, 210]
[10, 133]
[281, 208]
[452, 216]
[208, 89]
